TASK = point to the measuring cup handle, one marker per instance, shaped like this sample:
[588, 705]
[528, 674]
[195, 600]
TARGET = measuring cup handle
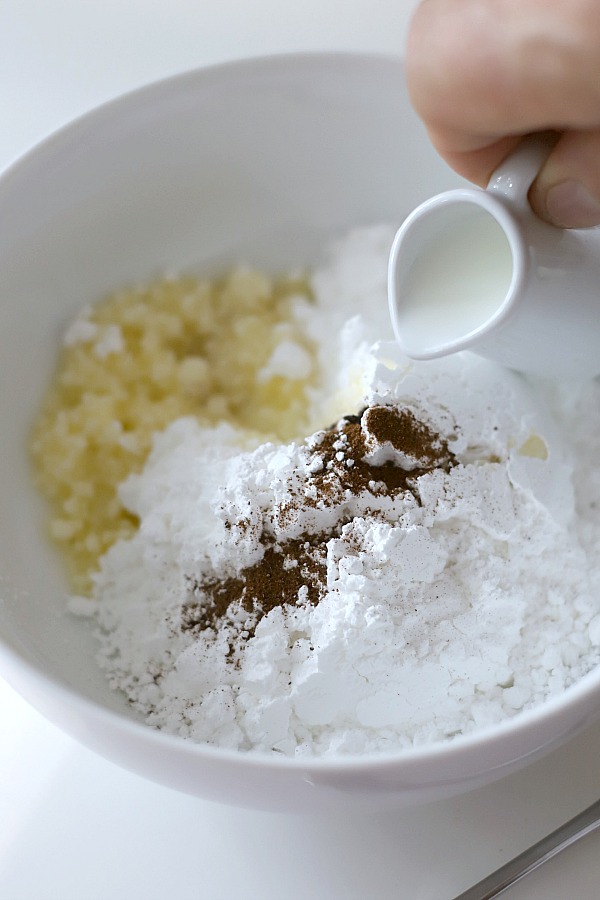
[516, 174]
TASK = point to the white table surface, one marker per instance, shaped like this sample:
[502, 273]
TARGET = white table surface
[75, 827]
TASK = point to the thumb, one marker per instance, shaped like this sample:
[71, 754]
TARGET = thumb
[566, 192]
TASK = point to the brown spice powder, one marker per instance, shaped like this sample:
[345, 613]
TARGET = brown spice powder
[401, 429]
[294, 572]
[287, 574]
[343, 448]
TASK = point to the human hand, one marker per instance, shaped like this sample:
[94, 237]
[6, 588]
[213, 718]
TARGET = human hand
[483, 73]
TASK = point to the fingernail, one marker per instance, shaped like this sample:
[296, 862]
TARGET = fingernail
[570, 205]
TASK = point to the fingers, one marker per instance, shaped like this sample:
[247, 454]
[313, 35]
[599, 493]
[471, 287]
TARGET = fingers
[566, 192]
[476, 165]
[481, 73]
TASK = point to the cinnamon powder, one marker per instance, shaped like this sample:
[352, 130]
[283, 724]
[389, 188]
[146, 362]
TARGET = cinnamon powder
[294, 571]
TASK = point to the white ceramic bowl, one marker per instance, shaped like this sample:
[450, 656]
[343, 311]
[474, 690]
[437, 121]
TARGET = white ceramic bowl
[262, 160]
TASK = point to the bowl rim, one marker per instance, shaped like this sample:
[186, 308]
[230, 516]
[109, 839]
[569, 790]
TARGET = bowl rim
[160, 88]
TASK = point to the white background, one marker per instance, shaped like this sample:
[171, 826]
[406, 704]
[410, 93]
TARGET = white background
[74, 827]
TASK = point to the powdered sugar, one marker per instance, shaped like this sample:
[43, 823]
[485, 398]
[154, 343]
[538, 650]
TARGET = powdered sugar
[434, 584]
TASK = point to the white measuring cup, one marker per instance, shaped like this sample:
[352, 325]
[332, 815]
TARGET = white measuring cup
[477, 270]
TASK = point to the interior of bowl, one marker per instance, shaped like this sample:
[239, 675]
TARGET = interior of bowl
[260, 162]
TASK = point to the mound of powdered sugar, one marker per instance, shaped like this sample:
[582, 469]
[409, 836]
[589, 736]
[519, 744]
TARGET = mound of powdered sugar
[424, 564]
